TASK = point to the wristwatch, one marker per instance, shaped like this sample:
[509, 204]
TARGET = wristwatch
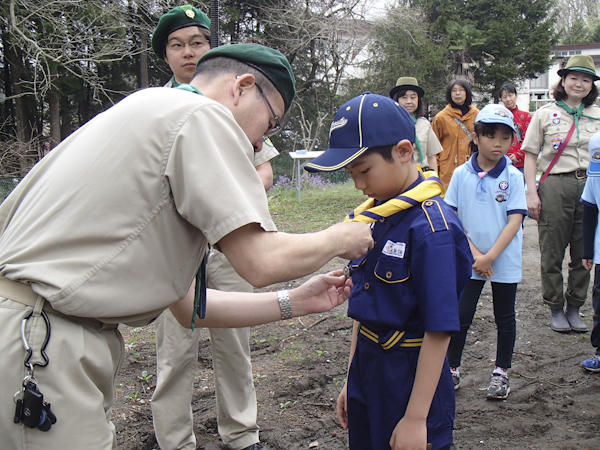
[284, 304]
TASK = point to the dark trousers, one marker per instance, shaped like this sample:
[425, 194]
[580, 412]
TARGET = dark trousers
[504, 295]
[595, 337]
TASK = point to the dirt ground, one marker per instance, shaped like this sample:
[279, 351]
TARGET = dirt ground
[300, 366]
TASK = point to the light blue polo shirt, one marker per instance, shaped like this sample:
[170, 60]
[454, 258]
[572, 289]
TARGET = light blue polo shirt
[591, 197]
[483, 206]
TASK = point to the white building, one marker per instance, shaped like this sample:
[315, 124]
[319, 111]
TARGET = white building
[538, 92]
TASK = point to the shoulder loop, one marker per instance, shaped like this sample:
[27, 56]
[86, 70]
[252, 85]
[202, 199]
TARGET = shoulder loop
[435, 215]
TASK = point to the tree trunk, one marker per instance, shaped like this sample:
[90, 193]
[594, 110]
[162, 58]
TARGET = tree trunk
[143, 60]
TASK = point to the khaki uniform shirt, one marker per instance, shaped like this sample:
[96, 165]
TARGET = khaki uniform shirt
[550, 126]
[114, 222]
[430, 144]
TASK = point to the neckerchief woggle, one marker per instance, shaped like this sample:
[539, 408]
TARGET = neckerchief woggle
[576, 113]
[200, 287]
[368, 212]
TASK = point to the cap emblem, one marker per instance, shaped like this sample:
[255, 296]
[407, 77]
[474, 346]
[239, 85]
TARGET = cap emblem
[338, 124]
[190, 13]
[501, 113]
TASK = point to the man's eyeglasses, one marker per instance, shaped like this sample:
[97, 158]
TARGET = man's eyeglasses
[277, 127]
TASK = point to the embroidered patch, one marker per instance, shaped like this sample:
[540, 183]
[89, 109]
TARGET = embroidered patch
[554, 114]
[556, 141]
[337, 124]
[501, 197]
[556, 121]
[503, 185]
[394, 249]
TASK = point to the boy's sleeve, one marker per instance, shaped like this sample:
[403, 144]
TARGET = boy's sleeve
[440, 267]
[517, 203]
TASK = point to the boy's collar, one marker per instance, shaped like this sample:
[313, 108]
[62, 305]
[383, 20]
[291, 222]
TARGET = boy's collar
[494, 173]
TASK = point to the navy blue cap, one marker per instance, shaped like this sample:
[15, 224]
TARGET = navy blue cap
[366, 121]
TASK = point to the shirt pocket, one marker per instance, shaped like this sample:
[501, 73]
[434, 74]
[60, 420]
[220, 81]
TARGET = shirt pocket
[592, 127]
[392, 270]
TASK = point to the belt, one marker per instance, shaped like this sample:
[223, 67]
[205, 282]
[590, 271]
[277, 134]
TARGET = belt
[579, 174]
[24, 294]
[391, 340]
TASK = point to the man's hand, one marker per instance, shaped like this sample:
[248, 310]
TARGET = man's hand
[588, 263]
[534, 205]
[321, 293]
[354, 239]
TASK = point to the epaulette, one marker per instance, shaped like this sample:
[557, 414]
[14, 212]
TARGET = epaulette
[435, 215]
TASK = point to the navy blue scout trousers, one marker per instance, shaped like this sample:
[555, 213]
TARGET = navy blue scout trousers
[504, 295]
[595, 336]
[379, 386]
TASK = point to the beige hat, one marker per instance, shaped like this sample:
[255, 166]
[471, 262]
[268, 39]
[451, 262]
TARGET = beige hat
[407, 84]
[580, 63]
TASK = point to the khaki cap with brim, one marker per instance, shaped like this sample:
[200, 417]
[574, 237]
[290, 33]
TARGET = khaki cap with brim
[271, 63]
[580, 63]
[408, 84]
[180, 17]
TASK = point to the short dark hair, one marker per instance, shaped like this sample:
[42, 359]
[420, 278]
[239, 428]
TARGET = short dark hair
[385, 151]
[465, 85]
[508, 87]
[559, 93]
[420, 111]
[485, 129]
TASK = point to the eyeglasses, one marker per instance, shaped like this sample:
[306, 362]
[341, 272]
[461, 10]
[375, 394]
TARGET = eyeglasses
[277, 127]
[196, 44]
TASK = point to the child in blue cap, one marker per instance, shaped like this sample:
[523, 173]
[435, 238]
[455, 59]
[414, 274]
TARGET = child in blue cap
[399, 390]
[591, 242]
[487, 194]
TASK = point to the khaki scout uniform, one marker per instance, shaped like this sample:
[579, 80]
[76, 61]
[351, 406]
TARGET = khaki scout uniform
[112, 226]
[560, 221]
[430, 144]
[177, 357]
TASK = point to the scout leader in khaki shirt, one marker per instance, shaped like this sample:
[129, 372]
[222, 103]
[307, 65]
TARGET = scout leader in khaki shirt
[114, 223]
[548, 129]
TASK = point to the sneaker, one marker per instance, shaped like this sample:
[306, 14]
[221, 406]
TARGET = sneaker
[592, 364]
[499, 387]
[455, 377]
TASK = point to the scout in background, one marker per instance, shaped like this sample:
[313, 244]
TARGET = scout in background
[399, 389]
[561, 131]
[489, 186]
[508, 95]
[591, 243]
[409, 95]
[181, 38]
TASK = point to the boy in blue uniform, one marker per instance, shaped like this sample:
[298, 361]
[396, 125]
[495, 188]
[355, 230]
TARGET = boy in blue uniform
[591, 243]
[489, 187]
[405, 297]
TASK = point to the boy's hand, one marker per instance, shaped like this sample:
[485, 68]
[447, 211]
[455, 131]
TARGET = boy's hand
[409, 435]
[342, 407]
[483, 265]
[588, 264]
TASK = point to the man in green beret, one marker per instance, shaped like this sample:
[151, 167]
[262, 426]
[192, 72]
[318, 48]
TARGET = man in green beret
[113, 226]
[181, 38]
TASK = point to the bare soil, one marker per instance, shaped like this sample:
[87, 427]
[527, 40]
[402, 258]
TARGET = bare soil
[300, 365]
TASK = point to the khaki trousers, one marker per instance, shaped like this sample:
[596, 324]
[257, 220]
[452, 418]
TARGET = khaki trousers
[560, 225]
[78, 381]
[177, 356]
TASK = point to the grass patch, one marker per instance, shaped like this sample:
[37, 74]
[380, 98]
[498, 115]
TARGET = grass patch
[319, 207]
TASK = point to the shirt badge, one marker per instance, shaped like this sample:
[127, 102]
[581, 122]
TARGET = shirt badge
[556, 141]
[554, 114]
[500, 198]
[503, 185]
[556, 121]
[394, 249]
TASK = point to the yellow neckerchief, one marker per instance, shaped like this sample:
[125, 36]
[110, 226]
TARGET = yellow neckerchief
[368, 212]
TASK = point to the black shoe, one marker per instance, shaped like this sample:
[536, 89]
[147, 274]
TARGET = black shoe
[257, 446]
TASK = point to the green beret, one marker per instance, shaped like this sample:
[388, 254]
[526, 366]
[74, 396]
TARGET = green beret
[177, 18]
[271, 63]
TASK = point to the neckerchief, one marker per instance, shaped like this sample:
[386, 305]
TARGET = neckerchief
[575, 112]
[368, 212]
[200, 288]
[417, 142]
[494, 173]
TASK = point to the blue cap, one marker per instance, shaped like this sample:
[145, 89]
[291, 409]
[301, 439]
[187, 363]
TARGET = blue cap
[594, 148]
[495, 113]
[366, 121]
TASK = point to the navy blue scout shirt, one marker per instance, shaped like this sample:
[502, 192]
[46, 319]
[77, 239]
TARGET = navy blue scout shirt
[413, 278]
